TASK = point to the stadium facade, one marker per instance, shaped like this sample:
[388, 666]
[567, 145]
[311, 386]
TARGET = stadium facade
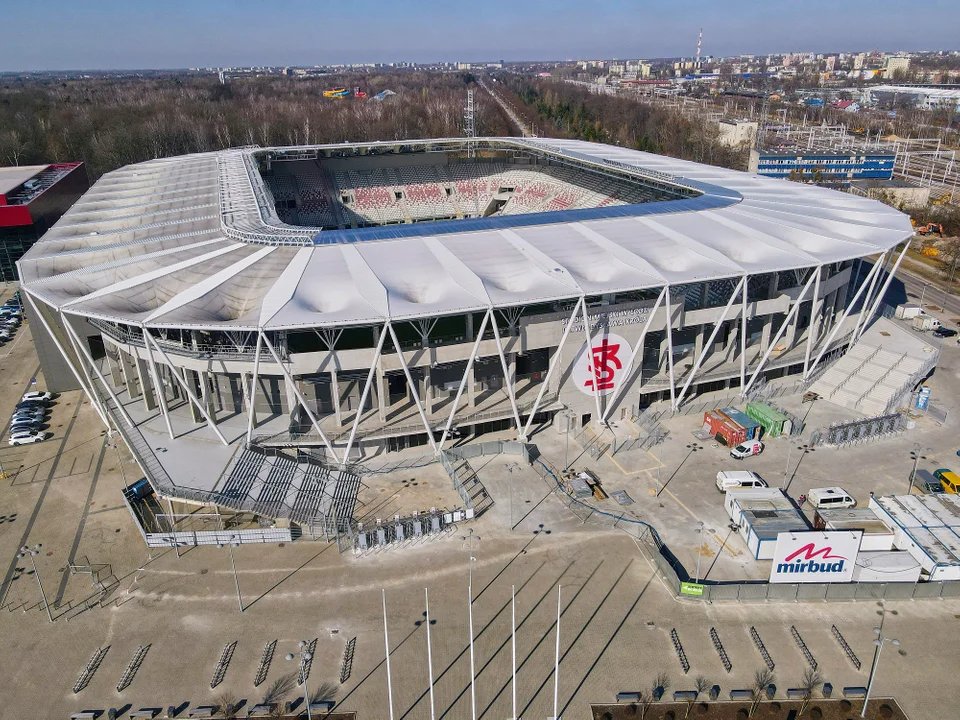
[352, 300]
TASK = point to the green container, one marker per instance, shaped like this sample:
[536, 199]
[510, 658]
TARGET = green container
[771, 420]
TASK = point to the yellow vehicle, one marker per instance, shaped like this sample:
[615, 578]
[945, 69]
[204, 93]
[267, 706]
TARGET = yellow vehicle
[336, 93]
[949, 479]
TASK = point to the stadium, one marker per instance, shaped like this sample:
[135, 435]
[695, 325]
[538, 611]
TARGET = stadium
[257, 323]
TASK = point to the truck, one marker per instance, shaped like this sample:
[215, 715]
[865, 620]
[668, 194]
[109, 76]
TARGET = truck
[907, 311]
[924, 322]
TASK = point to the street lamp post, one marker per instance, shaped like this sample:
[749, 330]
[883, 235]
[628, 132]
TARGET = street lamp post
[916, 457]
[231, 544]
[699, 532]
[468, 540]
[32, 553]
[879, 642]
[305, 656]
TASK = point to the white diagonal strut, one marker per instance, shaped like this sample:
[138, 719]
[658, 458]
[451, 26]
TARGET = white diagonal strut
[161, 395]
[296, 391]
[552, 366]
[814, 327]
[633, 356]
[883, 291]
[463, 381]
[251, 412]
[90, 396]
[773, 343]
[186, 388]
[506, 372]
[670, 347]
[79, 347]
[837, 325]
[411, 385]
[588, 349]
[365, 393]
[867, 298]
[709, 344]
[743, 335]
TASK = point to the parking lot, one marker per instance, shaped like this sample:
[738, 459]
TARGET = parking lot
[163, 631]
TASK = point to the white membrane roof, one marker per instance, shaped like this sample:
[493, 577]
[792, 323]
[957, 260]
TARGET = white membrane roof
[190, 242]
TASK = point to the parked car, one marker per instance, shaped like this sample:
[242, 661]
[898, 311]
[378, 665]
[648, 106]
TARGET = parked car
[28, 404]
[41, 395]
[830, 497]
[746, 449]
[948, 479]
[22, 427]
[27, 437]
[945, 332]
[28, 414]
[737, 479]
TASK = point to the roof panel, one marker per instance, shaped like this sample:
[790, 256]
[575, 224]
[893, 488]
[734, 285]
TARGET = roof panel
[159, 232]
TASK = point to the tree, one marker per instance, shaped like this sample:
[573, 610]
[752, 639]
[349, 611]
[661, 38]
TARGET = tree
[810, 682]
[701, 685]
[761, 679]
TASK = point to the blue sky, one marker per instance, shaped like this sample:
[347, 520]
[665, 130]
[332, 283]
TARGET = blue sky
[112, 34]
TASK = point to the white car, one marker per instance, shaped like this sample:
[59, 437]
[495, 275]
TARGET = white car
[746, 449]
[27, 437]
[37, 395]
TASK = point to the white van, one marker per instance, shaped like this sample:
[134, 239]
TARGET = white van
[737, 479]
[831, 497]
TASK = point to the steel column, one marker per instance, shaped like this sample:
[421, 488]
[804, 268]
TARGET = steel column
[743, 333]
[713, 336]
[78, 346]
[588, 349]
[839, 323]
[814, 328]
[506, 371]
[633, 356]
[869, 296]
[883, 290]
[161, 395]
[364, 394]
[412, 385]
[673, 391]
[251, 412]
[551, 368]
[776, 338]
[186, 388]
[463, 381]
[300, 399]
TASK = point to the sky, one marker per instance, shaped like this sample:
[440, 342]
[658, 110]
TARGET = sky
[145, 34]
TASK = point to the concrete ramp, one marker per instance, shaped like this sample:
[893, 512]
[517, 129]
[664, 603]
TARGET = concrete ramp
[875, 376]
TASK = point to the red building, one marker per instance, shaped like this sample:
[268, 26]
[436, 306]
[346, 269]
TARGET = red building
[32, 198]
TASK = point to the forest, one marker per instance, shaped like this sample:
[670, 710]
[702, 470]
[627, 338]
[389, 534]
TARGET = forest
[110, 122]
[564, 110]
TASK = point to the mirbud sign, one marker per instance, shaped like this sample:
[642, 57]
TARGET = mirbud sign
[815, 557]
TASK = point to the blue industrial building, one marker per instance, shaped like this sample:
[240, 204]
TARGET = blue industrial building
[822, 167]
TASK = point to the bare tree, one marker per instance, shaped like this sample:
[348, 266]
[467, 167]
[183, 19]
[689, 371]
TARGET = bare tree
[761, 679]
[226, 705]
[701, 685]
[280, 688]
[810, 682]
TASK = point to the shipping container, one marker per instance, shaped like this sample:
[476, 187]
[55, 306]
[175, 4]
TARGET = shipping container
[774, 422]
[723, 428]
[743, 420]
